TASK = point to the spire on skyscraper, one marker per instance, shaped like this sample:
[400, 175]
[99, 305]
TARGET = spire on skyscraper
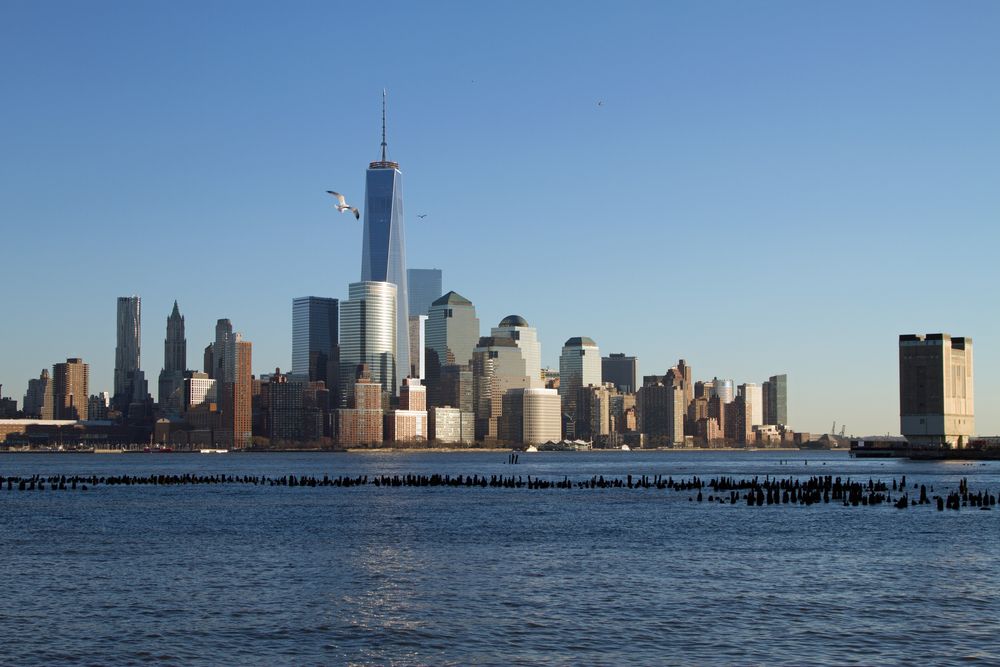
[383, 125]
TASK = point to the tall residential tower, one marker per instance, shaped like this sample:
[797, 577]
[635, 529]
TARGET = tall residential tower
[127, 355]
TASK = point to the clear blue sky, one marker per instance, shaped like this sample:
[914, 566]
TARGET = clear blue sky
[767, 187]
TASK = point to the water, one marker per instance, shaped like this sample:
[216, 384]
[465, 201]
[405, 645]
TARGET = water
[262, 575]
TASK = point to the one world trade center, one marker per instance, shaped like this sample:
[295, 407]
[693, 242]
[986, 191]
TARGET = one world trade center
[383, 254]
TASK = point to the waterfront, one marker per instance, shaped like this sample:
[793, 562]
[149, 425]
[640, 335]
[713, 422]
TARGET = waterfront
[263, 575]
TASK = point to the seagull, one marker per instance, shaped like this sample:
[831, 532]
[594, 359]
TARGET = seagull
[342, 205]
[600, 103]
[422, 216]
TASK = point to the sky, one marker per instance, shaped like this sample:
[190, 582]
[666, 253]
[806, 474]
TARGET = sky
[756, 187]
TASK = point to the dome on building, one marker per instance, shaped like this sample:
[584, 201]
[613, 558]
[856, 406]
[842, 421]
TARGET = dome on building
[580, 341]
[513, 321]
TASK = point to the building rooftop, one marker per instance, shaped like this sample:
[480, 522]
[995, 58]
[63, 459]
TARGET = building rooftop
[513, 321]
[451, 298]
[580, 341]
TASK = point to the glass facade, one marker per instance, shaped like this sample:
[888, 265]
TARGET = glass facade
[127, 352]
[315, 336]
[525, 338]
[368, 336]
[579, 366]
[452, 332]
[424, 287]
[383, 253]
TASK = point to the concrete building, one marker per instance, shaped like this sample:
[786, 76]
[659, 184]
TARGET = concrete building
[498, 366]
[451, 336]
[531, 416]
[316, 339]
[739, 418]
[127, 351]
[621, 371]
[660, 411]
[70, 390]
[579, 366]
[754, 397]
[424, 287]
[368, 335]
[98, 406]
[775, 400]
[451, 426]
[525, 338]
[199, 389]
[409, 423]
[593, 411]
[418, 353]
[38, 399]
[236, 394]
[361, 424]
[457, 387]
[170, 387]
[936, 391]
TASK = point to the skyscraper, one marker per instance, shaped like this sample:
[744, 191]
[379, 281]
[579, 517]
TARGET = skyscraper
[620, 371]
[127, 354]
[171, 383]
[383, 253]
[38, 398]
[315, 338]
[936, 398]
[525, 338]
[368, 336]
[223, 335]
[497, 366]
[775, 399]
[451, 334]
[70, 383]
[418, 357]
[579, 366]
[754, 397]
[424, 287]
[236, 391]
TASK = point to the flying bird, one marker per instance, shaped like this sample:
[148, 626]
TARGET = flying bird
[422, 216]
[343, 206]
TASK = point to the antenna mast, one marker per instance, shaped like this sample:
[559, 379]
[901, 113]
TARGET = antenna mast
[383, 125]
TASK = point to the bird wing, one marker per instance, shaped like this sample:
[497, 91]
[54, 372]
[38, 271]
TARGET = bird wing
[339, 197]
[357, 216]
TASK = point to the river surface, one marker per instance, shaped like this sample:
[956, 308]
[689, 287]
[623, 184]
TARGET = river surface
[260, 575]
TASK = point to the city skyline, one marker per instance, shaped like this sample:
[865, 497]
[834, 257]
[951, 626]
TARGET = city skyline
[810, 186]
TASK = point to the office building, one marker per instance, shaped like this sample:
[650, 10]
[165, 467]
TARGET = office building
[38, 399]
[579, 366]
[315, 339]
[368, 335]
[593, 411]
[775, 400]
[424, 287]
[739, 421]
[418, 357]
[452, 332]
[754, 397]
[497, 366]
[199, 389]
[127, 351]
[936, 392]
[724, 389]
[456, 387]
[170, 394]
[621, 371]
[383, 254]
[451, 426]
[540, 411]
[70, 390]
[525, 337]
